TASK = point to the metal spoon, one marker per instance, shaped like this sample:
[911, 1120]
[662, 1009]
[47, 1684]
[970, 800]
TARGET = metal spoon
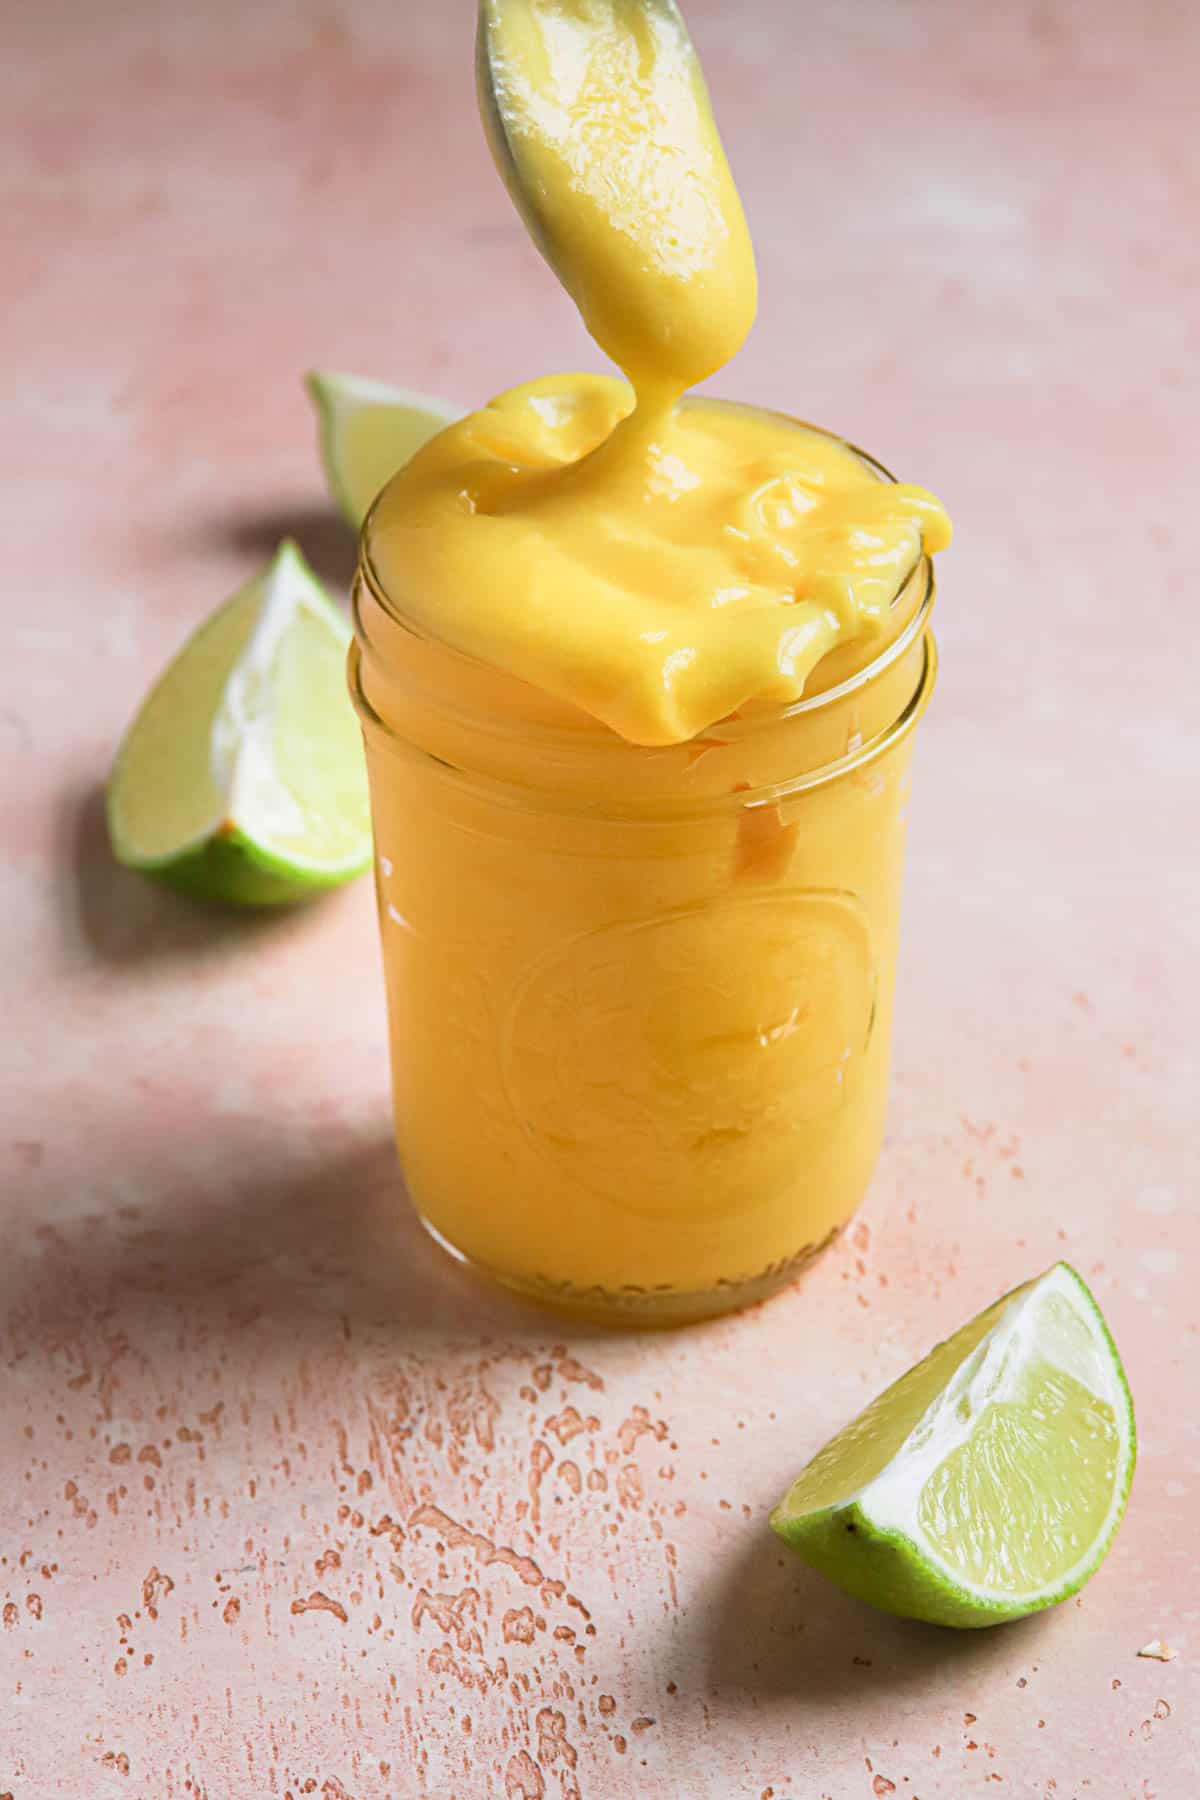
[498, 126]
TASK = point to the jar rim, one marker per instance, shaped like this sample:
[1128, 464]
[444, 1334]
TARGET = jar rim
[732, 729]
[521, 797]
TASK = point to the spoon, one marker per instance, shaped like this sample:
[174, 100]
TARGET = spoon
[501, 119]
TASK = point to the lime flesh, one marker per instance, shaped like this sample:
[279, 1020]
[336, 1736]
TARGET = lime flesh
[368, 430]
[989, 1481]
[242, 776]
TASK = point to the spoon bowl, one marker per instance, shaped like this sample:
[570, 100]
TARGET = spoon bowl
[498, 122]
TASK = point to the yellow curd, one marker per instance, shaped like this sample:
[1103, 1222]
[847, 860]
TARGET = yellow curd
[638, 675]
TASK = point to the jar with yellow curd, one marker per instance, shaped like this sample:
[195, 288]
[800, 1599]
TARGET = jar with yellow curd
[640, 997]
[638, 674]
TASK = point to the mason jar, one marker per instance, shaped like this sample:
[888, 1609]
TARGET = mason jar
[639, 999]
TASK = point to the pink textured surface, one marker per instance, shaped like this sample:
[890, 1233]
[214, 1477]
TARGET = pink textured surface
[290, 1506]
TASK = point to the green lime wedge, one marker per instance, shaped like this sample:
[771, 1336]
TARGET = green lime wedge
[242, 777]
[990, 1480]
[368, 431]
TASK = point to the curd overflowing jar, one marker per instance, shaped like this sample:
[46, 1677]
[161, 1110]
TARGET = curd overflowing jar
[638, 676]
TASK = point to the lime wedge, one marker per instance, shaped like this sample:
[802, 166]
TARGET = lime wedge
[987, 1482]
[368, 431]
[242, 777]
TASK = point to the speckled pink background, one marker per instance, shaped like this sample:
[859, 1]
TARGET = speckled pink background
[290, 1506]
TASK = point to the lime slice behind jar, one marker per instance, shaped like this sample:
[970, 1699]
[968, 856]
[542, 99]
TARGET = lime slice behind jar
[368, 430]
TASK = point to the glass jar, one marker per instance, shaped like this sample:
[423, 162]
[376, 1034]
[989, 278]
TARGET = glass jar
[639, 1000]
